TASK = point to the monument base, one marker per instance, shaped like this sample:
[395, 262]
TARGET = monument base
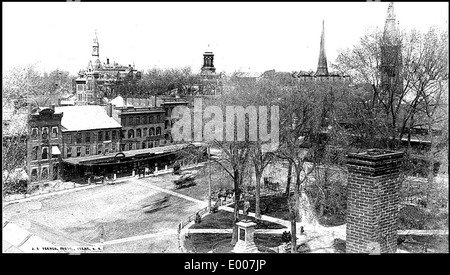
[243, 247]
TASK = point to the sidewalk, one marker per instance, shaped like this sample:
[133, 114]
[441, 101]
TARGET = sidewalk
[59, 187]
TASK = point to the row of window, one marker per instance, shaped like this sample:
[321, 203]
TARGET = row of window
[140, 120]
[142, 133]
[44, 132]
[140, 145]
[89, 137]
[101, 149]
[44, 173]
[44, 152]
[84, 97]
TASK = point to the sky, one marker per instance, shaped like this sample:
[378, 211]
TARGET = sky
[244, 36]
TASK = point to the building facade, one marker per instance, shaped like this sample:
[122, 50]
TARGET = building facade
[44, 144]
[88, 131]
[142, 127]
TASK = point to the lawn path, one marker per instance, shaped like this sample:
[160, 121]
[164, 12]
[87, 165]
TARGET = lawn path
[164, 190]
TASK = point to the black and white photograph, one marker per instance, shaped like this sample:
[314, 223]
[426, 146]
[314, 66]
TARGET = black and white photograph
[226, 128]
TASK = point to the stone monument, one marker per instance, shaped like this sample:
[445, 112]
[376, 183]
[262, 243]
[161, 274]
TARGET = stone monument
[245, 243]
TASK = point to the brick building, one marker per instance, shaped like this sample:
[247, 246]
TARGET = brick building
[88, 130]
[44, 144]
[142, 127]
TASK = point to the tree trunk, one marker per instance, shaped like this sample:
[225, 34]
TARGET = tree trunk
[289, 176]
[258, 196]
[237, 194]
[430, 176]
[294, 235]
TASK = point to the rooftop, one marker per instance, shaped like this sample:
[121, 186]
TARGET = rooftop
[110, 156]
[89, 117]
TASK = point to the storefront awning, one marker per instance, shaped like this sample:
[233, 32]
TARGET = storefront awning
[55, 150]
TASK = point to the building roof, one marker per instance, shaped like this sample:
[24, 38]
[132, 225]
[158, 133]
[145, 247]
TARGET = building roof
[89, 117]
[87, 160]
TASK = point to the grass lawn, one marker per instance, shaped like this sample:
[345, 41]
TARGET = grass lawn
[202, 243]
[224, 220]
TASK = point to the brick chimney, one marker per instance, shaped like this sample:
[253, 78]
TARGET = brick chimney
[109, 109]
[372, 201]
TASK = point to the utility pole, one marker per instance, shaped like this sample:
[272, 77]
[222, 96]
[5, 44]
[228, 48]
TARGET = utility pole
[209, 185]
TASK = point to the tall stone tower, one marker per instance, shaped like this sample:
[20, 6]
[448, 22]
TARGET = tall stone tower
[391, 57]
[322, 67]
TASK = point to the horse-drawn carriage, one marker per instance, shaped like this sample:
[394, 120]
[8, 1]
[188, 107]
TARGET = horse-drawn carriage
[271, 185]
[186, 179]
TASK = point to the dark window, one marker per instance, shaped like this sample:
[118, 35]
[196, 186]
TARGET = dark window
[158, 131]
[130, 146]
[78, 151]
[107, 135]
[78, 138]
[88, 150]
[100, 135]
[143, 145]
[124, 132]
[144, 132]
[69, 152]
[87, 137]
[99, 149]
[150, 144]
[138, 120]
[44, 132]
[34, 133]
[158, 118]
[156, 143]
[130, 121]
[113, 147]
[113, 135]
[150, 120]
[138, 133]
[151, 131]
[44, 153]
[122, 147]
[131, 133]
[145, 120]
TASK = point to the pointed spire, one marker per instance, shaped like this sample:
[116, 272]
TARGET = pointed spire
[390, 27]
[95, 38]
[322, 67]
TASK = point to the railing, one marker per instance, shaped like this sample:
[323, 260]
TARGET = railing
[190, 218]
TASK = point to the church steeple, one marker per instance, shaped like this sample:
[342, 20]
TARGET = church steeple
[390, 27]
[322, 67]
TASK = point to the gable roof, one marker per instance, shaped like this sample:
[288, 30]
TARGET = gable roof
[89, 117]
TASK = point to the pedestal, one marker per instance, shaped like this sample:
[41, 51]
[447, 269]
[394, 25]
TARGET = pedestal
[245, 243]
